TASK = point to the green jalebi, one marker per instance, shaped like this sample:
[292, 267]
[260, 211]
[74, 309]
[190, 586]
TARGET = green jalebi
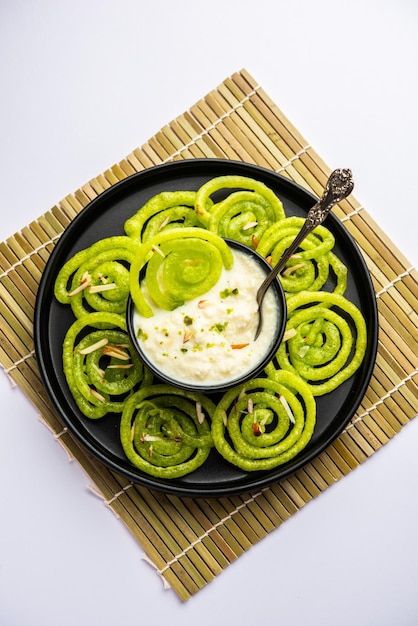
[101, 367]
[309, 268]
[97, 277]
[165, 432]
[166, 210]
[196, 254]
[244, 214]
[264, 423]
[327, 344]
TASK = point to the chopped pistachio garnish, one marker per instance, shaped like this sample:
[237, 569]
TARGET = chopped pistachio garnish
[188, 320]
[225, 293]
[219, 327]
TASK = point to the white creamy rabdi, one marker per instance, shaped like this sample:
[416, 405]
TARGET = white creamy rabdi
[210, 340]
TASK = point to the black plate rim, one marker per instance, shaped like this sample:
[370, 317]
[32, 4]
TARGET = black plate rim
[259, 481]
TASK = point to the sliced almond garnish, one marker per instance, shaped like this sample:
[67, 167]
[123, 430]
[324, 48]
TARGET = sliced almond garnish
[104, 287]
[289, 334]
[157, 249]
[188, 334]
[249, 225]
[97, 395]
[120, 367]
[84, 282]
[250, 406]
[199, 413]
[99, 370]
[117, 352]
[94, 346]
[294, 268]
[255, 241]
[145, 438]
[287, 408]
[269, 259]
[203, 304]
[164, 223]
[239, 346]
[225, 418]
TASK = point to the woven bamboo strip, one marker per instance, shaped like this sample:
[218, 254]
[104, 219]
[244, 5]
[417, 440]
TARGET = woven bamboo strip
[398, 345]
[201, 560]
[220, 548]
[191, 541]
[224, 531]
[225, 510]
[182, 532]
[16, 319]
[39, 246]
[10, 351]
[319, 475]
[253, 133]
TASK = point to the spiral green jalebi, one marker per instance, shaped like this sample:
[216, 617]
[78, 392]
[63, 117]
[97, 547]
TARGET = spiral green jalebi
[168, 209]
[101, 367]
[309, 268]
[165, 432]
[328, 343]
[183, 263]
[97, 277]
[264, 423]
[249, 205]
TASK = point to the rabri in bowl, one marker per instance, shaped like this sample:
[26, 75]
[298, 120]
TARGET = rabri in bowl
[206, 342]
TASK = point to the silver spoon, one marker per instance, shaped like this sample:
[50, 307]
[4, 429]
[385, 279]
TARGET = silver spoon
[339, 185]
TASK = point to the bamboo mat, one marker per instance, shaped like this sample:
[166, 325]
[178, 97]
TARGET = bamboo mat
[190, 541]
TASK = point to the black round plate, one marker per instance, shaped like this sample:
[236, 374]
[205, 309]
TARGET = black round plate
[104, 217]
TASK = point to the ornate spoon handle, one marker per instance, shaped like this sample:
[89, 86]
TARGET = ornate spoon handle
[339, 185]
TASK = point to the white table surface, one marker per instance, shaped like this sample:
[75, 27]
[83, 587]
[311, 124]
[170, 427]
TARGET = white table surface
[83, 83]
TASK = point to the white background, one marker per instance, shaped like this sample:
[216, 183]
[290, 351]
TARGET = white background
[83, 83]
